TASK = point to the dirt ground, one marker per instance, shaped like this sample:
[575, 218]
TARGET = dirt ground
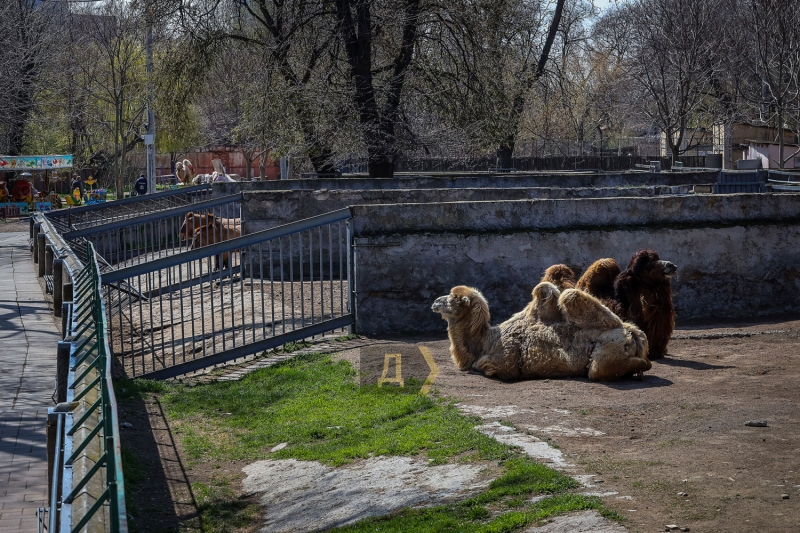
[671, 449]
[675, 446]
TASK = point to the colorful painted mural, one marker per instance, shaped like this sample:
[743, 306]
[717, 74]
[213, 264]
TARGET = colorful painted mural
[35, 162]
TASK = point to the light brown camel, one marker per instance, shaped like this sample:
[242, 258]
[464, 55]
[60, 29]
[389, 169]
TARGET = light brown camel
[557, 335]
[184, 171]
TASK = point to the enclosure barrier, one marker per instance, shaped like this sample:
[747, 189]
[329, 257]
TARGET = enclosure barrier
[87, 488]
[125, 242]
[103, 213]
[212, 304]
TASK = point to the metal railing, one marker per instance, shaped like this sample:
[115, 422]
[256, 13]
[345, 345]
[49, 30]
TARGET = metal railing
[86, 216]
[87, 482]
[231, 298]
[125, 242]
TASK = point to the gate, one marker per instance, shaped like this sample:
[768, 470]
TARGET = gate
[176, 313]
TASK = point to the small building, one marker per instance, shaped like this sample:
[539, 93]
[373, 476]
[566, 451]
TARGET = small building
[734, 142]
[769, 154]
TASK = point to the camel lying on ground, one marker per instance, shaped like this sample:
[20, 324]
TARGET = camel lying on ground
[557, 335]
[640, 294]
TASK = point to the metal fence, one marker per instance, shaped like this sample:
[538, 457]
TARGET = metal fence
[87, 481]
[123, 242]
[231, 297]
[86, 216]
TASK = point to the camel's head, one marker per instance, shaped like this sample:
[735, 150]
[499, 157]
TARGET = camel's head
[467, 315]
[647, 266]
[464, 305]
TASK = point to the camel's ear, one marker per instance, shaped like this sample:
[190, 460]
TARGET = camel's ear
[465, 300]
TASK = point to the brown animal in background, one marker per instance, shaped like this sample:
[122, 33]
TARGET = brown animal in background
[210, 234]
[193, 221]
[558, 335]
[561, 276]
[640, 294]
[215, 230]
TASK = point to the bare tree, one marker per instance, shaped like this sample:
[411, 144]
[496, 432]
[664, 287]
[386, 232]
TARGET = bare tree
[772, 64]
[482, 61]
[671, 62]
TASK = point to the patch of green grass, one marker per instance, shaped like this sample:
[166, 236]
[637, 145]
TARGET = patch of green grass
[675, 442]
[220, 510]
[524, 476]
[314, 404]
[129, 389]
[293, 346]
[344, 338]
[463, 518]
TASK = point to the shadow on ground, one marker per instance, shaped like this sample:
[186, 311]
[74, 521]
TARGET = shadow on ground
[161, 498]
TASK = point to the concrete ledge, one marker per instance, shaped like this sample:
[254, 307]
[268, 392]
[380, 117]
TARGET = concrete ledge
[267, 209]
[574, 214]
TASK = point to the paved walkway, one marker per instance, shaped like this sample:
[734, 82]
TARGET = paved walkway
[28, 338]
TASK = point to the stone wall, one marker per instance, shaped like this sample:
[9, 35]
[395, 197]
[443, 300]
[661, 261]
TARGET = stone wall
[479, 180]
[267, 209]
[737, 255]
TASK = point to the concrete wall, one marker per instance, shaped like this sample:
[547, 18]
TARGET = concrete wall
[737, 255]
[479, 180]
[267, 209]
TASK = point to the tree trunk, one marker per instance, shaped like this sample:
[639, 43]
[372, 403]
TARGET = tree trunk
[780, 138]
[382, 168]
[505, 153]
[262, 165]
[506, 149]
[377, 125]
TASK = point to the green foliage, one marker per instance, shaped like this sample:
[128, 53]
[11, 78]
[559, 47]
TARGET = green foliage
[468, 518]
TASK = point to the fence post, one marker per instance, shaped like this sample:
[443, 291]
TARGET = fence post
[34, 248]
[49, 256]
[65, 307]
[40, 244]
[58, 281]
[62, 370]
[52, 426]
